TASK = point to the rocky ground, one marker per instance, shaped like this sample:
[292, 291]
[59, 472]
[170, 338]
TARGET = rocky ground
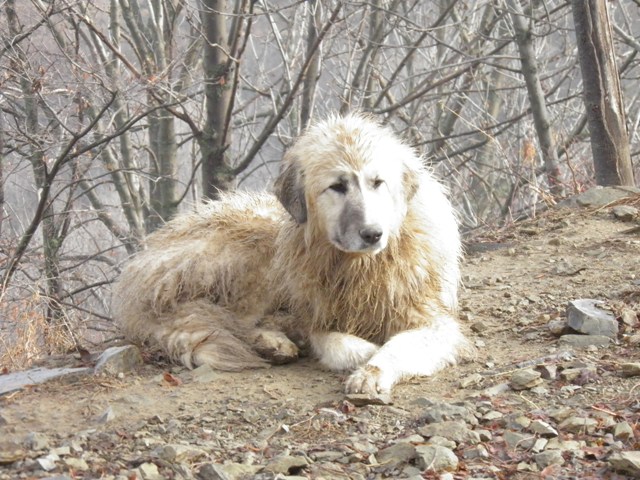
[540, 400]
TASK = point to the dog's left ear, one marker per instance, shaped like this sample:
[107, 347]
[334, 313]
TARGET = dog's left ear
[289, 189]
[410, 181]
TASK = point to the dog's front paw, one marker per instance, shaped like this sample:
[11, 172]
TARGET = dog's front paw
[367, 380]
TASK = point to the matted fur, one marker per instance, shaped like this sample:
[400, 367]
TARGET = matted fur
[363, 263]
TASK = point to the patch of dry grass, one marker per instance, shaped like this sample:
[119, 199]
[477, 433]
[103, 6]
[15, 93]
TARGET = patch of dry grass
[27, 335]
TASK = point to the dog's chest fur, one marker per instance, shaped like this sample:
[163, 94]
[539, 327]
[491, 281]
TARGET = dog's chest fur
[370, 296]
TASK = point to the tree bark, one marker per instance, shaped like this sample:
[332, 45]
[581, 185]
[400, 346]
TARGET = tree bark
[535, 93]
[217, 175]
[313, 72]
[602, 95]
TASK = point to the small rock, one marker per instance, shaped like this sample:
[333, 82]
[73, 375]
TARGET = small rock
[548, 372]
[585, 340]
[48, 462]
[579, 376]
[442, 442]
[361, 399]
[492, 415]
[479, 451]
[471, 380]
[578, 425]
[436, 458]
[396, 454]
[625, 213]
[61, 451]
[496, 390]
[76, 464]
[560, 414]
[629, 317]
[36, 441]
[479, 327]
[11, 452]
[456, 431]
[286, 464]
[626, 462]
[622, 431]
[524, 379]
[107, 416]
[540, 445]
[586, 316]
[630, 369]
[543, 429]
[548, 457]
[442, 411]
[149, 471]
[179, 453]
[115, 360]
[516, 421]
[557, 327]
[211, 471]
[515, 440]
[600, 196]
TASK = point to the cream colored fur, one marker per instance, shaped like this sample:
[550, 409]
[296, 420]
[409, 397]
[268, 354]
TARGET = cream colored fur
[363, 263]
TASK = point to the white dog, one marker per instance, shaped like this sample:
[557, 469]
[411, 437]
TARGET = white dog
[365, 265]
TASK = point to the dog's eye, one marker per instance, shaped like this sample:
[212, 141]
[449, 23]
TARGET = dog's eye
[376, 183]
[339, 187]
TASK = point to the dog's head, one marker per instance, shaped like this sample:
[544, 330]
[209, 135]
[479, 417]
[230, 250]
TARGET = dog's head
[352, 179]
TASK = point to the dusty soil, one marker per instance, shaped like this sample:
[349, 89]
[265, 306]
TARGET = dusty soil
[517, 282]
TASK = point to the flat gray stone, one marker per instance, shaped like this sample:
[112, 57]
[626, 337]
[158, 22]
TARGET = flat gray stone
[547, 458]
[361, 399]
[624, 213]
[435, 458]
[286, 464]
[397, 454]
[543, 429]
[456, 431]
[525, 379]
[115, 360]
[600, 196]
[585, 340]
[578, 425]
[18, 380]
[626, 462]
[586, 316]
[435, 412]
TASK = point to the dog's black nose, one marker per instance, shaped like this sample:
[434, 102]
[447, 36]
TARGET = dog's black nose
[371, 235]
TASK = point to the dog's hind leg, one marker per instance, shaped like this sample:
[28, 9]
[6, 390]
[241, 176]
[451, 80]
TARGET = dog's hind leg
[273, 345]
[198, 333]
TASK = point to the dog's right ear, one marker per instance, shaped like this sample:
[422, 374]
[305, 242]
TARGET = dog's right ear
[289, 189]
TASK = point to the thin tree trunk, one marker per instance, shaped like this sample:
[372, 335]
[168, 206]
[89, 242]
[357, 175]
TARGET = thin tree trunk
[541, 120]
[50, 241]
[216, 172]
[602, 95]
[313, 72]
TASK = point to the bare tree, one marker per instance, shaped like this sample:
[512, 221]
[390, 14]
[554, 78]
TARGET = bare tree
[541, 118]
[602, 93]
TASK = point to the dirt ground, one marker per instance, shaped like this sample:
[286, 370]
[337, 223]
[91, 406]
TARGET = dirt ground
[517, 283]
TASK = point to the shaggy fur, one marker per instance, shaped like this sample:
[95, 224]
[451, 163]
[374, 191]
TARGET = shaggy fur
[362, 262]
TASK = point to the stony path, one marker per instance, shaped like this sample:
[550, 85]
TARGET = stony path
[540, 400]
